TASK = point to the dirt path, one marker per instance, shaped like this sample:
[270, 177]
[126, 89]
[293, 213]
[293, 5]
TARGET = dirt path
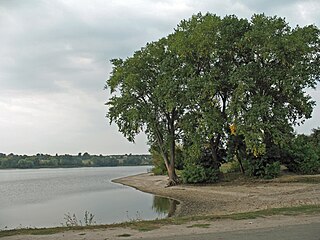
[221, 199]
[309, 231]
[170, 231]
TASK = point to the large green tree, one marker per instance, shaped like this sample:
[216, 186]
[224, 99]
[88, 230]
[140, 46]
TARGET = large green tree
[270, 97]
[213, 73]
[149, 92]
[213, 47]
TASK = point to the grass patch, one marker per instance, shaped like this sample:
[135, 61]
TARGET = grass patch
[36, 231]
[288, 211]
[145, 226]
[124, 235]
[155, 224]
[199, 225]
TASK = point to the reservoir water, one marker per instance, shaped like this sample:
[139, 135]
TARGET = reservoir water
[42, 197]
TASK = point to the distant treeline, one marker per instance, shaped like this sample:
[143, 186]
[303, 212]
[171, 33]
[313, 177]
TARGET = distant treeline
[63, 161]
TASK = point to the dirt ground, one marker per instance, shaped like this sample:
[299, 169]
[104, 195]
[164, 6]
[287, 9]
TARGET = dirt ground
[222, 199]
[191, 228]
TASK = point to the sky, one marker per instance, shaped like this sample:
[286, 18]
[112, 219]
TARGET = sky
[55, 60]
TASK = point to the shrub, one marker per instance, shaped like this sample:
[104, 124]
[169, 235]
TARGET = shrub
[230, 167]
[262, 169]
[157, 170]
[212, 175]
[158, 163]
[303, 156]
[199, 174]
[272, 170]
[309, 166]
[254, 168]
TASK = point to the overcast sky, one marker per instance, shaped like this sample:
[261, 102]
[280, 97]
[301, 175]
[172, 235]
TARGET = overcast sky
[55, 61]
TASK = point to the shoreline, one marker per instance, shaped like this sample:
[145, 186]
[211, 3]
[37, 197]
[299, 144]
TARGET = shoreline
[230, 198]
[190, 219]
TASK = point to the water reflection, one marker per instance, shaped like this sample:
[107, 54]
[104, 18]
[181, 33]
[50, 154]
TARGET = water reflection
[164, 205]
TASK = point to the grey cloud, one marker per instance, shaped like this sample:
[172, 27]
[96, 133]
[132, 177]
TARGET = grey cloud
[44, 48]
[57, 54]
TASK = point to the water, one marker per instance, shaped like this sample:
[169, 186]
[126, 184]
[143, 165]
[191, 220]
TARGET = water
[42, 197]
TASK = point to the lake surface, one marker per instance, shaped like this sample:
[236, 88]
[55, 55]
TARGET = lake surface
[42, 197]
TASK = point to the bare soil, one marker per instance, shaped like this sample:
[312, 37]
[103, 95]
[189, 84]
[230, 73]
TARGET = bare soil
[190, 228]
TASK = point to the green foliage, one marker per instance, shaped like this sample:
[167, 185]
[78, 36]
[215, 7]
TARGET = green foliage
[230, 167]
[193, 174]
[261, 169]
[149, 94]
[199, 174]
[272, 170]
[61, 161]
[304, 155]
[212, 73]
[310, 166]
[24, 163]
[159, 167]
[270, 95]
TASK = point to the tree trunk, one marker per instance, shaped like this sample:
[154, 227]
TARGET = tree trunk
[240, 163]
[214, 144]
[238, 155]
[168, 160]
[173, 178]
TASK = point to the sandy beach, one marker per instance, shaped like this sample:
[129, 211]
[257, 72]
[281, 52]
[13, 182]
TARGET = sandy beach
[227, 198]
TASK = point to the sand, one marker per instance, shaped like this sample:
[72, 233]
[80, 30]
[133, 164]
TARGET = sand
[222, 199]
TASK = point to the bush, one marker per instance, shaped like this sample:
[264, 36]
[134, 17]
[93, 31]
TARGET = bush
[230, 167]
[272, 170]
[158, 162]
[306, 162]
[303, 156]
[262, 169]
[156, 170]
[212, 175]
[309, 166]
[199, 174]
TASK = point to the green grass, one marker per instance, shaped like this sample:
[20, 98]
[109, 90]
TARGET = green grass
[145, 225]
[37, 231]
[288, 211]
[155, 224]
[124, 235]
[199, 225]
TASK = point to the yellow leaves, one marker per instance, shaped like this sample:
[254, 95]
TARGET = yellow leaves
[233, 129]
[255, 152]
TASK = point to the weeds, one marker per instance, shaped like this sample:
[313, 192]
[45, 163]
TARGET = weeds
[137, 218]
[71, 220]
